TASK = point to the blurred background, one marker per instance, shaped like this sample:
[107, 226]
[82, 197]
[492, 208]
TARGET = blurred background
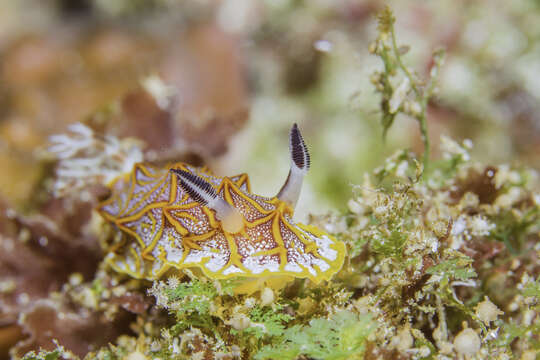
[221, 82]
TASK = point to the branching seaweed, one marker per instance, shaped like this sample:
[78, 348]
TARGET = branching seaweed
[402, 91]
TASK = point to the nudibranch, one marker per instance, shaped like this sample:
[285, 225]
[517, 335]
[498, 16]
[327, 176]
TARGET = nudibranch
[180, 216]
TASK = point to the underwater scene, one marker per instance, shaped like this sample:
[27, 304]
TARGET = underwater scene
[297, 180]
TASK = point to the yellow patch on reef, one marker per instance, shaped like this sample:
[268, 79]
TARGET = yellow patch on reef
[164, 228]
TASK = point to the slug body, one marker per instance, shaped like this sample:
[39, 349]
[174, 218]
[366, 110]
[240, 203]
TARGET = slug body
[165, 224]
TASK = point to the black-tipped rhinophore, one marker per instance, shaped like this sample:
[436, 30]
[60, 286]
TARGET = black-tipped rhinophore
[197, 188]
[299, 151]
[300, 162]
[202, 192]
